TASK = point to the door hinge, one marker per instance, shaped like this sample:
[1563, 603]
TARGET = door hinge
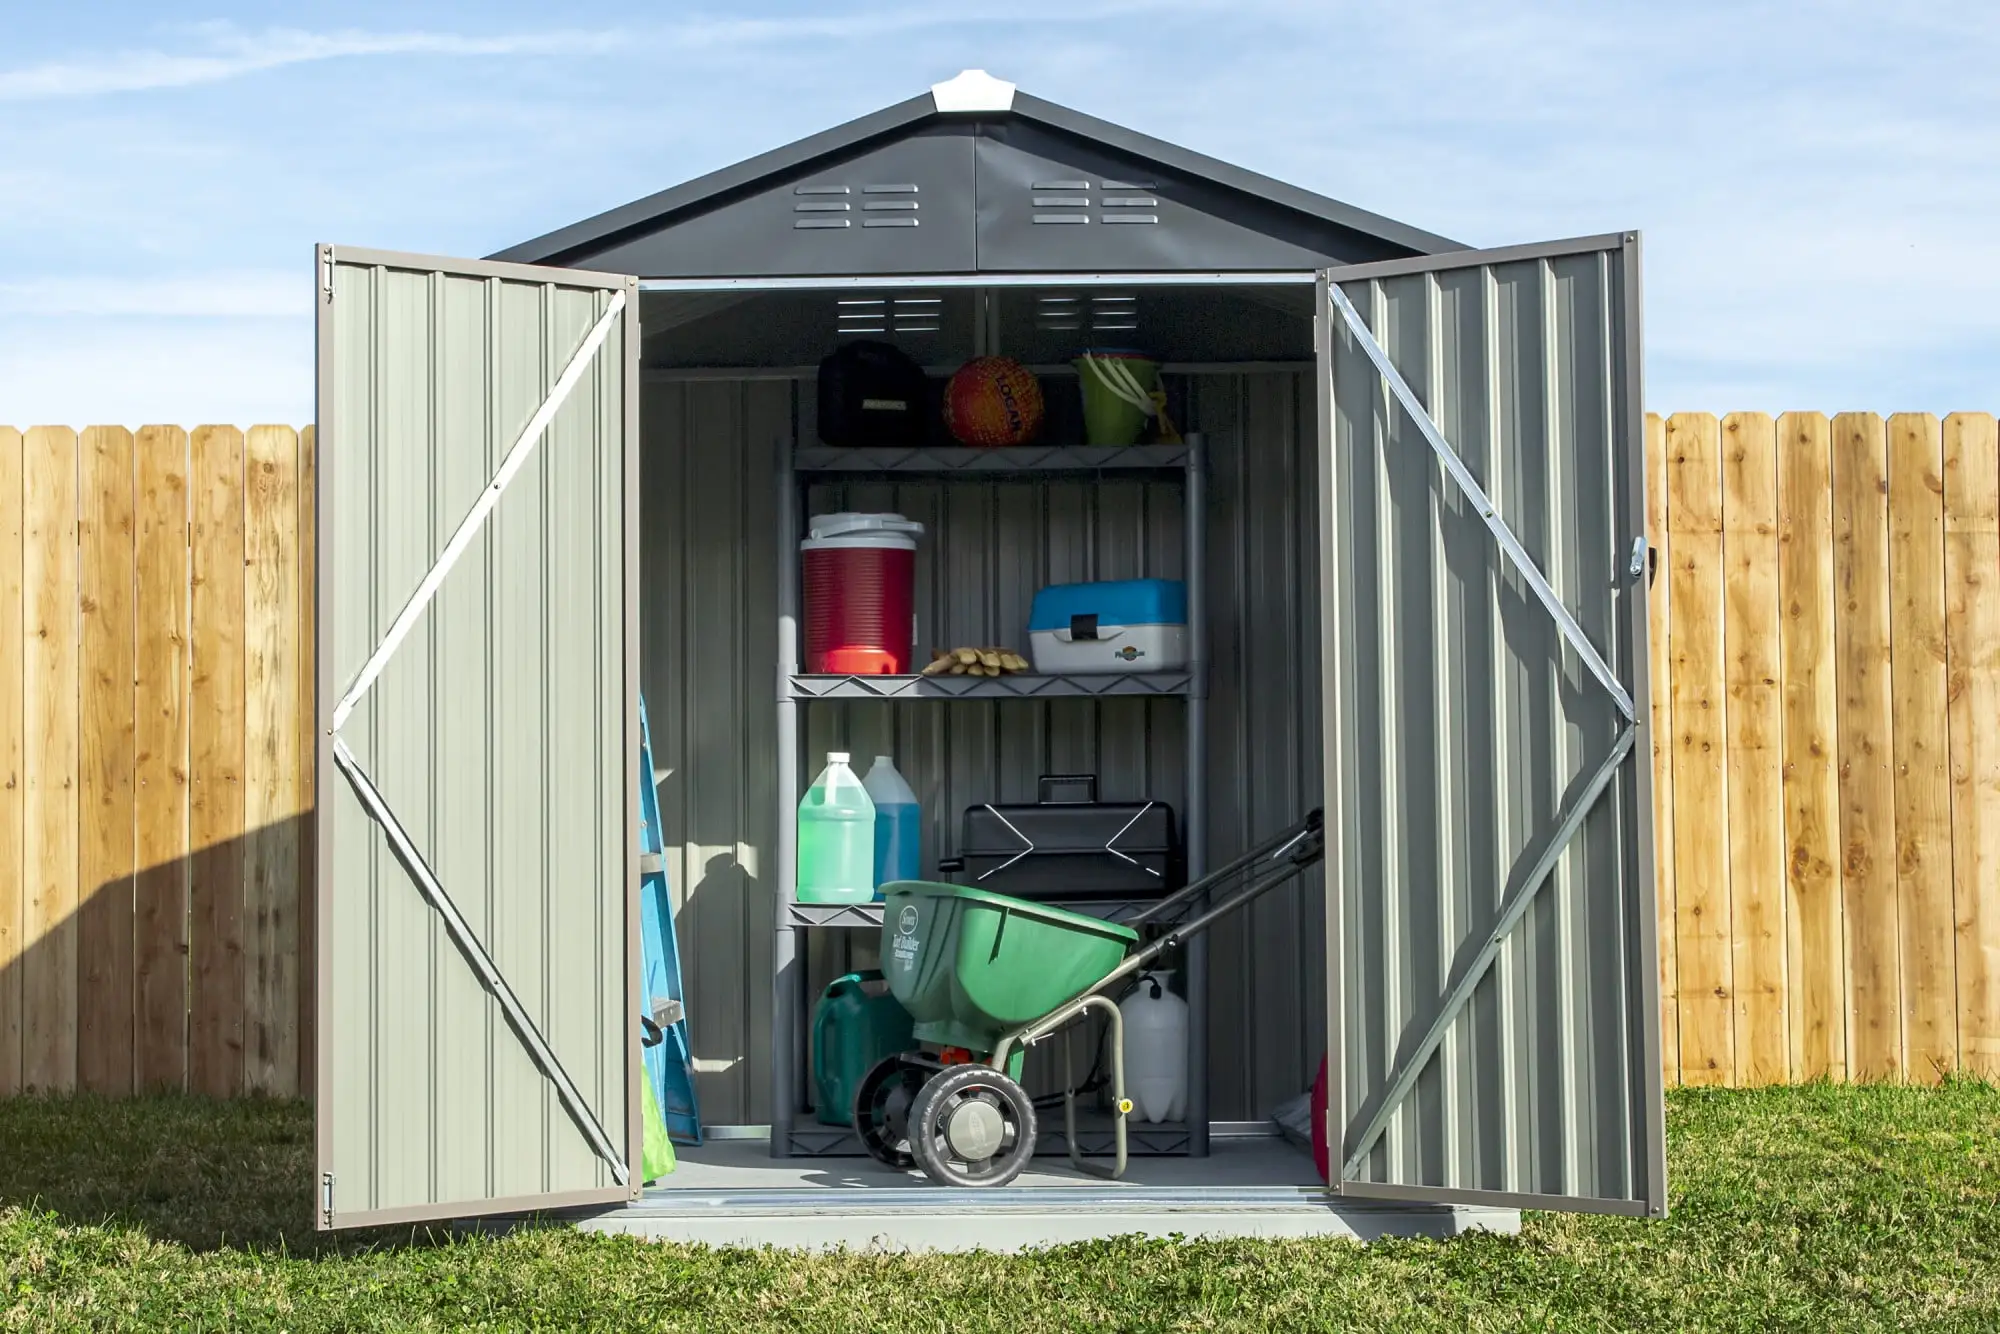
[326, 272]
[326, 1198]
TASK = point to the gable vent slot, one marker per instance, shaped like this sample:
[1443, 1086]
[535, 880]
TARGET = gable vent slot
[1062, 185]
[1061, 217]
[902, 204]
[1131, 201]
[1128, 185]
[1129, 217]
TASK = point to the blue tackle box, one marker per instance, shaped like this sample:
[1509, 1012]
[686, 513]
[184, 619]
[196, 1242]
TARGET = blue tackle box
[1121, 625]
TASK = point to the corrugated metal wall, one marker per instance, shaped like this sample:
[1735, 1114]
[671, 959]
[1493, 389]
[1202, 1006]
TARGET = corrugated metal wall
[1463, 725]
[708, 647]
[496, 733]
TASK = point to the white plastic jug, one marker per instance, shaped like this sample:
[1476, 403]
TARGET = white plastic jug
[1156, 1029]
[898, 824]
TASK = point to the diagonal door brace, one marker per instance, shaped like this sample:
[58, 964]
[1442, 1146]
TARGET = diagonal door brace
[1404, 1077]
[468, 527]
[1454, 466]
[490, 976]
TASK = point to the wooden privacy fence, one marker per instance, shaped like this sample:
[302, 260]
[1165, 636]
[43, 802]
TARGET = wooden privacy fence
[1826, 709]
[155, 777]
[1826, 655]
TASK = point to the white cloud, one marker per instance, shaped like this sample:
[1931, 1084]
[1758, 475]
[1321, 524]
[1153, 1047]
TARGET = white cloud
[233, 54]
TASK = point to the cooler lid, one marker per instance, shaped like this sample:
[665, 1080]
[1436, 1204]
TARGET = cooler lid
[1112, 602]
[848, 524]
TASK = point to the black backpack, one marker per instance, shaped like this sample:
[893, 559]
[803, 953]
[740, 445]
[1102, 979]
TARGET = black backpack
[872, 394]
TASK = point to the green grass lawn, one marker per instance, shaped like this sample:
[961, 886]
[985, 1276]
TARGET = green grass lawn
[1808, 1208]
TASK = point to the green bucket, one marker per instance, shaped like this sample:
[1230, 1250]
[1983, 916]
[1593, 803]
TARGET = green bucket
[1110, 414]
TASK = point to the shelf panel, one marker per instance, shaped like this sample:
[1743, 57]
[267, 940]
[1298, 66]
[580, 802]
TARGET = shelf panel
[1023, 686]
[834, 914]
[990, 462]
[870, 914]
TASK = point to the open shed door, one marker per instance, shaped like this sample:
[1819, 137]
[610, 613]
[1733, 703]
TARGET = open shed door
[477, 739]
[1493, 984]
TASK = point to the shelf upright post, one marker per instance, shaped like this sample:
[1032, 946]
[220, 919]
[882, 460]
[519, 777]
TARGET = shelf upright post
[787, 985]
[1195, 520]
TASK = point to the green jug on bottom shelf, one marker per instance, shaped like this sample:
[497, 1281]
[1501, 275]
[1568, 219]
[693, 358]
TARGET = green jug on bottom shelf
[856, 1024]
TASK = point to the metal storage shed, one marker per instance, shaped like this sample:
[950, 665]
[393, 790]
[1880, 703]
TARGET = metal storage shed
[1413, 508]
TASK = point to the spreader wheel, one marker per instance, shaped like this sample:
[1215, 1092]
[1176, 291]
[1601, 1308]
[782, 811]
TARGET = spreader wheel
[972, 1126]
[882, 1108]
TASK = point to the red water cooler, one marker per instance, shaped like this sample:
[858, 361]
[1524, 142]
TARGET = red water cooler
[860, 580]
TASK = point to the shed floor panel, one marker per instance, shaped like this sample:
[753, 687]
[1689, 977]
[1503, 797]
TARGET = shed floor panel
[732, 1193]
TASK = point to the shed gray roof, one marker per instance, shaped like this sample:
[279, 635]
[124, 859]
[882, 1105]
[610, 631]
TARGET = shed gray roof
[965, 99]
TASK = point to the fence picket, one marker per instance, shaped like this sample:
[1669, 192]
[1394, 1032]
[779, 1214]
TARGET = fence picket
[161, 743]
[1922, 748]
[105, 739]
[49, 679]
[1754, 727]
[1814, 917]
[1661, 656]
[13, 761]
[1972, 621]
[1701, 864]
[1867, 745]
[271, 768]
[215, 764]
[308, 741]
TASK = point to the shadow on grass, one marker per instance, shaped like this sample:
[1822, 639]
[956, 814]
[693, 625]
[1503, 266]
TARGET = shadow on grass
[205, 1173]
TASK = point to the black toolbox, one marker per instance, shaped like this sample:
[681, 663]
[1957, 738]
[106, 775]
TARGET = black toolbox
[1071, 846]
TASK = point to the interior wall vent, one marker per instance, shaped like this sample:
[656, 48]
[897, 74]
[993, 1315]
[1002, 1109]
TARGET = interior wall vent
[1071, 312]
[1111, 313]
[825, 205]
[899, 315]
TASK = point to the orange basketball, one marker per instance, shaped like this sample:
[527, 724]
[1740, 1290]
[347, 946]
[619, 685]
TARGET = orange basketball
[993, 401]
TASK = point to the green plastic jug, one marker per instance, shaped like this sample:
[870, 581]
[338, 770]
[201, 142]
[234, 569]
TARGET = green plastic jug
[836, 837]
[857, 1024]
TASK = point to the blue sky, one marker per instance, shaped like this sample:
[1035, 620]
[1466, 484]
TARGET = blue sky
[1819, 183]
